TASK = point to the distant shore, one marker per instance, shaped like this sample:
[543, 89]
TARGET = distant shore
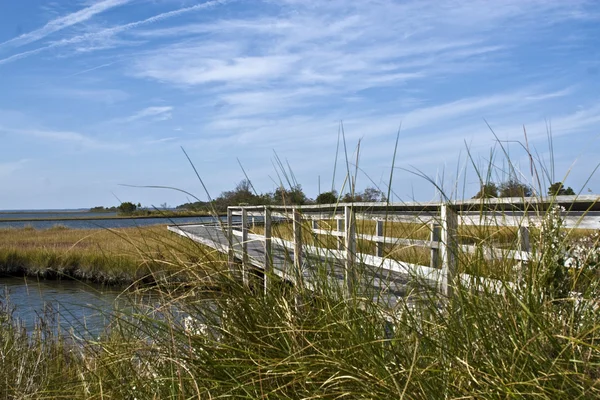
[154, 214]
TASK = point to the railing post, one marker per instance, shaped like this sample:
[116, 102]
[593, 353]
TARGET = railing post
[523, 236]
[448, 248]
[297, 224]
[230, 253]
[350, 242]
[268, 249]
[524, 245]
[245, 264]
[340, 228]
[435, 237]
[379, 233]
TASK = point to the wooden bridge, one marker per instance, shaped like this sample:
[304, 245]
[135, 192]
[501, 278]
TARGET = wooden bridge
[385, 279]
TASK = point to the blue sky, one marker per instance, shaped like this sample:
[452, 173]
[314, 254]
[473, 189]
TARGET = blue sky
[100, 93]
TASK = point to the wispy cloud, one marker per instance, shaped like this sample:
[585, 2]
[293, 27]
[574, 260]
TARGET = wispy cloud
[108, 33]
[69, 137]
[153, 113]
[108, 96]
[8, 168]
[227, 79]
[64, 22]
[161, 140]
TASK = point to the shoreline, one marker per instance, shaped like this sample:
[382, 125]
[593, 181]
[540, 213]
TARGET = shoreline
[125, 256]
[114, 217]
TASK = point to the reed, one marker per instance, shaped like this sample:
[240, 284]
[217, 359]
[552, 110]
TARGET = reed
[535, 335]
[119, 256]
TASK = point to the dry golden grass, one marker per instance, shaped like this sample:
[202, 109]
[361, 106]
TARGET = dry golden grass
[116, 255]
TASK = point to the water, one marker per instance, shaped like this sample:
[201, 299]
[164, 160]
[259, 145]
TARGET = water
[53, 214]
[104, 223]
[72, 305]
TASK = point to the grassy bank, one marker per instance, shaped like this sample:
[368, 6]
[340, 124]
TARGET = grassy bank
[113, 256]
[535, 339]
[141, 214]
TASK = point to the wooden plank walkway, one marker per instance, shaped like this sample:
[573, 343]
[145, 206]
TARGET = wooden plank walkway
[385, 285]
[374, 276]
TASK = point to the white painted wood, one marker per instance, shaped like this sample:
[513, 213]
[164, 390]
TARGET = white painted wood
[523, 238]
[379, 233]
[268, 250]
[448, 248]
[245, 265]
[435, 237]
[297, 225]
[418, 206]
[387, 240]
[230, 256]
[340, 230]
[350, 242]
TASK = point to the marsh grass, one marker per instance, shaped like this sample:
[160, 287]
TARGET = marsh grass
[120, 256]
[530, 337]
[525, 341]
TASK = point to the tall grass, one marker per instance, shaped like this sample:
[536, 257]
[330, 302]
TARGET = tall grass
[535, 335]
[120, 256]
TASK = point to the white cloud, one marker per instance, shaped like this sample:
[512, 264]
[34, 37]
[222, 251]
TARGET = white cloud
[64, 22]
[105, 35]
[9, 168]
[69, 137]
[153, 113]
[108, 96]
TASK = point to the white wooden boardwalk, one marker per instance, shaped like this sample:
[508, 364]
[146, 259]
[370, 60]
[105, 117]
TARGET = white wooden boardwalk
[385, 285]
[371, 275]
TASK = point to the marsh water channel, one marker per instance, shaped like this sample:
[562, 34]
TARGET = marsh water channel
[71, 306]
[44, 221]
[86, 309]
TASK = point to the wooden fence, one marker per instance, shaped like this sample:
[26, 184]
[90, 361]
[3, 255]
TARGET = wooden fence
[443, 220]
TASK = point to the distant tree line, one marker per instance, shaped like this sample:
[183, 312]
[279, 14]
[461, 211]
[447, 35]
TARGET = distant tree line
[514, 188]
[244, 194]
[103, 209]
[125, 208]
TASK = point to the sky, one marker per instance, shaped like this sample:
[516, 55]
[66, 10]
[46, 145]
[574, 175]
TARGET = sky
[99, 97]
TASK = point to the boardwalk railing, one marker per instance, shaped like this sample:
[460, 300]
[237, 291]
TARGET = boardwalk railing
[443, 220]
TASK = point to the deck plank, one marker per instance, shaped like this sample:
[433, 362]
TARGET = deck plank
[384, 285]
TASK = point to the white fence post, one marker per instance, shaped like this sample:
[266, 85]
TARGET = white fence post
[523, 236]
[524, 245]
[245, 263]
[448, 248]
[230, 253]
[297, 246]
[350, 239]
[315, 225]
[340, 228]
[268, 250]
[379, 233]
[435, 237]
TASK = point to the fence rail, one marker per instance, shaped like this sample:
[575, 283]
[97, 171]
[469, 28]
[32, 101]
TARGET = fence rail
[443, 220]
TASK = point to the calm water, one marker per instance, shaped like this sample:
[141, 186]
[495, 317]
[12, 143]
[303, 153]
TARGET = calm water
[85, 308]
[53, 214]
[106, 223]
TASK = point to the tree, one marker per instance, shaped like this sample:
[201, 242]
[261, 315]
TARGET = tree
[327, 198]
[514, 188]
[372, 194]
[487, 191]
[293, 196]
[127, 208]
[558, 189]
